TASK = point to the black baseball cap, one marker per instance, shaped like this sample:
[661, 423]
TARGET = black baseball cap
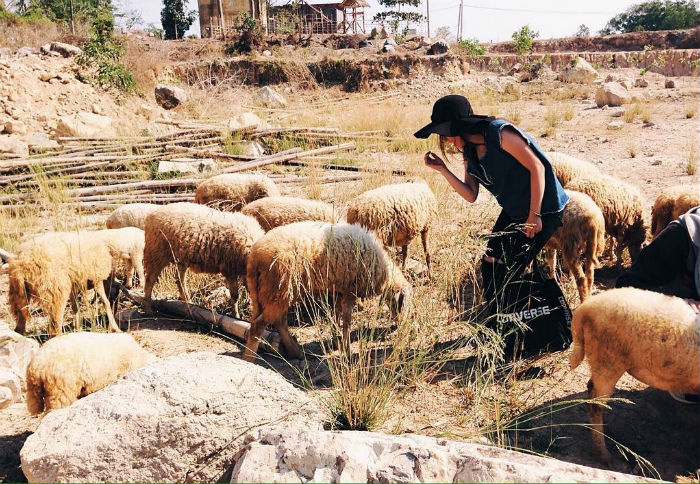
[452, 116]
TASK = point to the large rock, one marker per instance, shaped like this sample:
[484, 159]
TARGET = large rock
[612, 94]
[313, 456]
[243, 121]
[439, 47]
[13, 145]
[66, 50]
[183, 418]
[16, 352]
[579, 72]
[85, 124]
[271, 98]
[170, 96]
[38, 142]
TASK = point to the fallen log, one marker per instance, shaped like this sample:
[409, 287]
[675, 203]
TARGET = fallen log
[331, 166]
[279, 157]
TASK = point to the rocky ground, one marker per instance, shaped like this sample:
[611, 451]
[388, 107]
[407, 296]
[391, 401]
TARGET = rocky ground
[651, 142]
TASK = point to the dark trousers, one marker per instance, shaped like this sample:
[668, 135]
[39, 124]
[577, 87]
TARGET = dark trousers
[509, 244]
[662, 266]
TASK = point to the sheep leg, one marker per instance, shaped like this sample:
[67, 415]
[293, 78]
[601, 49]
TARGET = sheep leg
[551, 258]
[424, 240]
[128, 283]
[291, 347]
[182, 282]
[56, 309]
[137, 261]
[150, 281]
[76, 311]
[100, 290]
[588, 286]
[601, 385]
[619, 247]
[404, 256]
[348, 303]
[257, 326]
[575, 269]
[232, 286]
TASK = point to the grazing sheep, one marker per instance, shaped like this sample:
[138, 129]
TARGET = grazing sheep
[201, 239]
[582, 232]
[621, 204]
[125, 244]
[54, 268]
[231, 191]
[567, 167]
[74, 365]
[130, 215]
[397, 213]
[653, 337]
[272, 212]
[671, 203]
[303, 258]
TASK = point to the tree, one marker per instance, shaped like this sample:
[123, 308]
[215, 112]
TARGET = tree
[394, 16]
[522, 39]
[174, 19]
[443, 33]
[583, 31]
[655, 15]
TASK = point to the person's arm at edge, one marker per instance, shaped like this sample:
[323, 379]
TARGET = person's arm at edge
[467, 189]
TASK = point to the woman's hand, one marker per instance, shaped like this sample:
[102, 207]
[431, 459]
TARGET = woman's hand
[434, 161]
[533, 225]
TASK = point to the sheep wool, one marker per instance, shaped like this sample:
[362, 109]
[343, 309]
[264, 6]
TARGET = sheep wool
[621, 204]
[272, 212]
[567, 167]
[125, 244]
[397, 213]
[671, 203]
[130, 215]
[653, 337]
[53, 268]
[74, 365]
[312, 258]
[199, 238]
[582, 232]
[232, 191]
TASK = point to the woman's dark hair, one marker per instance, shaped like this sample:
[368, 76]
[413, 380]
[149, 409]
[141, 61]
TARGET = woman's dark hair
[468, 154]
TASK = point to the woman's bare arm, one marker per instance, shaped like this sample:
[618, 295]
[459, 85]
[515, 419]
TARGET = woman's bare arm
[467, 189]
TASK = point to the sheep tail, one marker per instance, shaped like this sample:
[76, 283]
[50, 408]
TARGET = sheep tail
[35, 394]
[597, 247]
[578, 352]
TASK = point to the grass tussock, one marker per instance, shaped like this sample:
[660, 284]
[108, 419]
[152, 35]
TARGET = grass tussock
[691, 166]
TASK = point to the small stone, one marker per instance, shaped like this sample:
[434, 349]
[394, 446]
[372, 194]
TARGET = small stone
[615, 125]
[616, 113]
[97, 109]
[656, 163]
[267, 53]
[170, 96]
[66, 50]
[669, 84]
[15, 127]
[271, 98]
[641, 82]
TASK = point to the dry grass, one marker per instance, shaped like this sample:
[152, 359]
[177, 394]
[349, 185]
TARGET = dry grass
[691, 110]
[23, 33]
[691, 167]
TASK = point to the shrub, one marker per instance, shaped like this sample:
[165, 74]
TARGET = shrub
[472, 47]
[251, 35]
[522, 39]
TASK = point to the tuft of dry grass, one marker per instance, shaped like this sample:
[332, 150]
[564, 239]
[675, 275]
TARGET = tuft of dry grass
[632, 150]
[632, 112]
[691, 110]
[691, 167]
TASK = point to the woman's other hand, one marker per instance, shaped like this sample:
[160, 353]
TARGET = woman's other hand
[434, 161]
[533, 225]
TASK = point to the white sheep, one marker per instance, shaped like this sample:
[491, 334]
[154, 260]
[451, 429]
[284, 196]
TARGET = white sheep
[232, 191]
[125, 244]
[74, 365]
[397, 213]
[582, 232]
[272, 212]
[199, 238]
[54, 268]
[567, 167]
[304, 258]
[653, 337]
[621, 204]
[130, 215]
[671, 203]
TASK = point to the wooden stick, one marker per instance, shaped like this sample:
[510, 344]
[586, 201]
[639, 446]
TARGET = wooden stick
[330, 166]
[279, 159]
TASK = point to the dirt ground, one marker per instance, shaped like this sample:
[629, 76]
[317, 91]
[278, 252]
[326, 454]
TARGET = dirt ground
[651, 153]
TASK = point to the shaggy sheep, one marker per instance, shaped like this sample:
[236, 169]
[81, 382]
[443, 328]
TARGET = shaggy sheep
[397, 213]
[311, 258]
[567, 167]
[231, 191]
[272, 212]
[130, 215]
[74, 365]
[198, 238]
[54, 268]
[653, 337]
[582, 232]
[125, 244]
[621, 204]
[671, 203]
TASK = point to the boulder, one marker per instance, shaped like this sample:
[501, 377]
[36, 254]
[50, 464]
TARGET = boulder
[390, 41]
[188, 165]
[13, 126]
[170, 96]
[40, 142]
[244, 120]
[439, 47]
[13, 145]
[641, 82]
[16, 352]
[579, 72]
[612, 94]
[388, 48]
[66, 50]
[669, 84]
[502, 85]
[254, 148]
[271, 98]
[183, 418]
[25, 51]
[317, 456]
[85, 124]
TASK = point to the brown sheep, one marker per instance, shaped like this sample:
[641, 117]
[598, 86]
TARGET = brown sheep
[232, 191]
[671, 203]
[567, 167]
[272, 212]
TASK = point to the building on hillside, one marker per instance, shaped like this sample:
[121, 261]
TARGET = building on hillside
[217, 18]
[346, 17]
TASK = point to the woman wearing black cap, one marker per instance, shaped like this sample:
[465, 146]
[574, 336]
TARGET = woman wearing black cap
[510, 165]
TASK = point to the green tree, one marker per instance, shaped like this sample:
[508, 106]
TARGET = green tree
[655, 15]
[583, 31]
[175, 20]
[522, 39]
[70, 11]
[394, 16]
